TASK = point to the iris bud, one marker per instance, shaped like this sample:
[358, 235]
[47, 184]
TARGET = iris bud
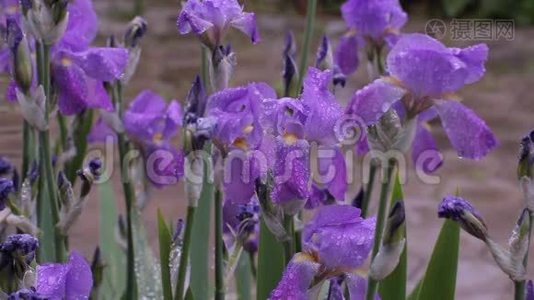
[21, 56]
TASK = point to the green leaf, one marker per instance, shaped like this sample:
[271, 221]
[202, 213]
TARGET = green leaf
[394, 286]
[199, 251]
[243, 278]
[165, 240]
[47, 252]
[114, 278]
[189, 294]
[147, 270]
[439, 282]
[270, 262]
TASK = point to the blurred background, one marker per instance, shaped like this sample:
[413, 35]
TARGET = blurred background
[504, 98]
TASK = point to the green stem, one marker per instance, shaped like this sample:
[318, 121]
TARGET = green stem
[368, 190]
[289, 246]
[47, 171]
[219, 264]
[63, 132]
[129, 197]
[372, 284]
[81, 130]
[27, 148]
[184, 258]
[310, 20]
[205, 71]
[519, 286]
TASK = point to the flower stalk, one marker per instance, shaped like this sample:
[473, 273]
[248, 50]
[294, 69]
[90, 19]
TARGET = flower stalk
[48, 177]
[308, 34]
[372, 284]
[129, 195]
[219, 244]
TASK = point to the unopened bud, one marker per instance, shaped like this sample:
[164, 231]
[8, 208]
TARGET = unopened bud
[525, 166]
[390, 134]
[32, 108]
[290, 66]
[461, 211]
[196, 101]
[224, 61]
[47, 19]
[388, 257]
[21, 56]
[136, 30]
[324, 59]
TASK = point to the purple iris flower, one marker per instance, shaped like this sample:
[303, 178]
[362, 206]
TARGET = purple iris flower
[339, 236]
[71, 280]
[424, 74]
[237, 112]
[374, 20]
[100, 132]
[335, 241]
[296, 124]
[79, 71]
[530, 290]
[210, 19]
[238, 134]
[153, 123]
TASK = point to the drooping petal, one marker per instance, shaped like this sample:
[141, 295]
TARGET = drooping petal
[82, 26]
[296, 280]
[72, 280]
[189, 21]
[101, 132]
[173, 119]
[291, 173]
[105, 64]
[77, 91]
[372, 101]
[468, 134]
[79, 280]
[339, 236]
[357, 286]
[241, 171]
[317, 197]
[425, 152]
[346, 54]
[324, 110]
[332, 171]
[247, 24]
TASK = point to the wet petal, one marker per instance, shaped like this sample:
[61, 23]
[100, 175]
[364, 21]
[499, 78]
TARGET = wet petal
[333, 171]
[144, 118]
[105, 64]
[339, 236]
[291, 174]
[468, 134]
[297, 278]
[189, 20]
[357, 287]
[82, 26]
[424, 144]
[324, 110]
[372, 101]
[247, 24]
[474, 57]
[51, 280]
[241, 171]
[346, 54]
[79, 280]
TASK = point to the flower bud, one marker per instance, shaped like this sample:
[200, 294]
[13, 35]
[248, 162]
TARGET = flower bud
[16, 254]
[290, 66]
[272, 215]
[223, 61]
[387, 258]
[525, 166]
[136, 30]
[32, 107]
[324, 59]
[21, 56]
[46, 19]
[89, 174]
[196, 102]
[461, 211]
[390, 134]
